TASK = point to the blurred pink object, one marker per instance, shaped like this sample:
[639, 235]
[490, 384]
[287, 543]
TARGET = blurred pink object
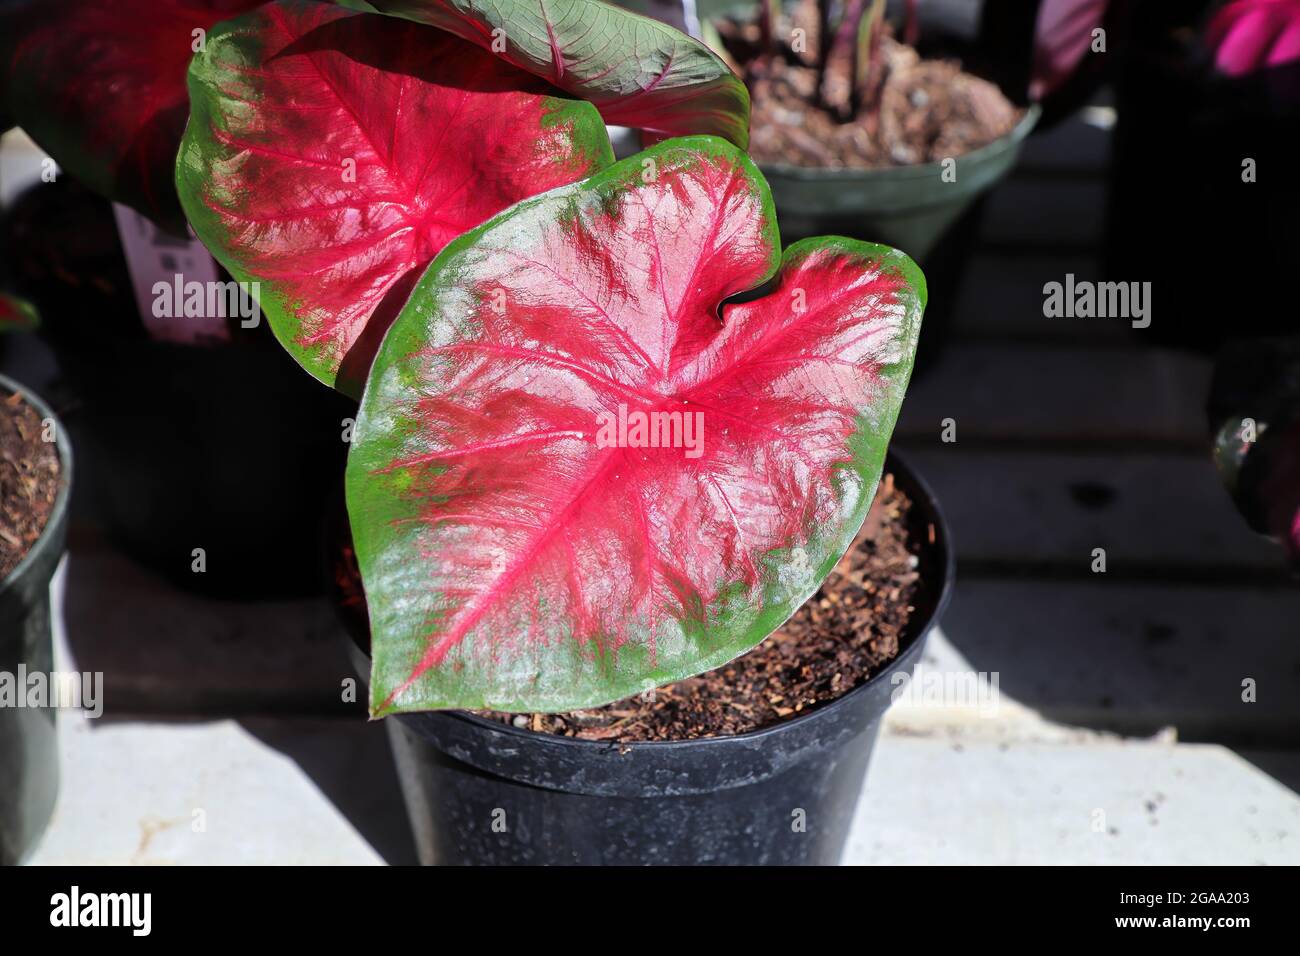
[1247, 36]
[1062, 38]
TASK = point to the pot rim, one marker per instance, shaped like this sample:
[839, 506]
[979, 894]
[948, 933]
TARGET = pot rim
[905, 658]
[1008, 140]
[61, 501]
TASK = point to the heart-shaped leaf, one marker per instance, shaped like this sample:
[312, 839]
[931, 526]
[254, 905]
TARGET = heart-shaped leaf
[523, 543]
[332, 154]
[639, 72]
[100, 86]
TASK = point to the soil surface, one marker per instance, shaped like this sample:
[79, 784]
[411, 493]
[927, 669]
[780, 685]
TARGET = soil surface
[29, 480]
[844, 634]
[920, 111]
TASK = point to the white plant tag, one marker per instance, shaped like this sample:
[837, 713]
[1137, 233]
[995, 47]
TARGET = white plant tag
[156, 258]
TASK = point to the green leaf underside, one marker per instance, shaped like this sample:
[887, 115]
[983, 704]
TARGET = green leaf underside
[637, 71]
[330, 155]
[512, 563]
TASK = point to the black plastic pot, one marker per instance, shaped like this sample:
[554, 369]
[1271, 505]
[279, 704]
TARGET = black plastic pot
[234, 450]
[29, 758]
[479, 792]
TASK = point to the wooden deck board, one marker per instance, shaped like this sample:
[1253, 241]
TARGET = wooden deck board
[1062, 396]
[1148, 512]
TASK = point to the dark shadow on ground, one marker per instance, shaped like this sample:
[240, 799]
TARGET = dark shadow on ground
[352, 764]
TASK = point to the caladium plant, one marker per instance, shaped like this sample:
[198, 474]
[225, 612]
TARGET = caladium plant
[580, 468]
[331, 154]
[519, 550]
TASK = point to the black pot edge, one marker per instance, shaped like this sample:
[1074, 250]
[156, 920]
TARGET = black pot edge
[905, 659]
[59, 513]
[1010, 140]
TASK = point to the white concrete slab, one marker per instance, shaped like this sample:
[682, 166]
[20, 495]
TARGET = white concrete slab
[963, 774]
[207, 793]
[946, 800]
[201, 793]
[957, 781]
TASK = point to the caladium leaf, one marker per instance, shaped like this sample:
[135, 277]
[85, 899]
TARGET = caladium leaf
[639, 72]
[521, 546]
[17, 315]
[332, 154]
[100, 86]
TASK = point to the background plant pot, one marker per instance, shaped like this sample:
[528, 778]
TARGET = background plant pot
[231, 447]
[908, 207]
[29, 758]
[234, 450]
[479, 792]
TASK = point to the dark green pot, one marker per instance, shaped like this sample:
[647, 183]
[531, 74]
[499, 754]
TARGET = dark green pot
[29, 756]
[907, 207]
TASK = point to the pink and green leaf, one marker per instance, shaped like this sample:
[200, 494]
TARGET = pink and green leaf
[514, 560]
[330, 155]
[17, 315]
[637, 71]
[100, 86]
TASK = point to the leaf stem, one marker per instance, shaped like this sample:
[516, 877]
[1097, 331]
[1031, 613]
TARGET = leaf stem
[825, 43]
[911, 22]
[768, 13]
[867, 65]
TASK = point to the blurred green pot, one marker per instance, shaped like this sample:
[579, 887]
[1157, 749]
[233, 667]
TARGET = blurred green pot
[908, 207]
[29, 756]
